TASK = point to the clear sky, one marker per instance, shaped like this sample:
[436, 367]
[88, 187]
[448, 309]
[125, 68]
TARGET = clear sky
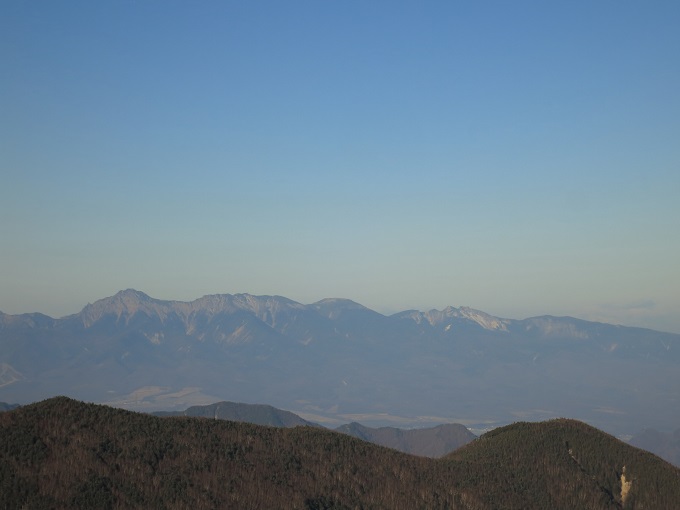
[522, 158]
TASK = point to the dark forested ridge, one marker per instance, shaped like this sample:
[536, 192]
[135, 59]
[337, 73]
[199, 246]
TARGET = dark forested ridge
[566, 460]
[61, 453]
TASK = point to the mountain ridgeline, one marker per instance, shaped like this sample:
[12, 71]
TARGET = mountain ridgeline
[61, 453]
[257, 414]
[427, 442]
[664, 444]
[335, 361]
[4, 406]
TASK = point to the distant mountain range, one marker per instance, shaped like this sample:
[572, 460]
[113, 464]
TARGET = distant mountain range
[248, 413]
[61, 453]
[4, 406]
[336, 361]
[664, 444]
[426, 442]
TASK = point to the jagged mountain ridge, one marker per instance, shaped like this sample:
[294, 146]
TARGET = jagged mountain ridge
[277, 312]
[336, 359]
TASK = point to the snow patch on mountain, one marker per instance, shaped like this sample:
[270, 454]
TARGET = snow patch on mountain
[452, 314]
[484, 319]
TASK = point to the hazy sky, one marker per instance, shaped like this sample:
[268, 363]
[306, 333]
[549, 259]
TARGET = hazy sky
[522, 158]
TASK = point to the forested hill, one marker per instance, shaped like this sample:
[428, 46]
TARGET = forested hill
[62, 453]
[566, 460]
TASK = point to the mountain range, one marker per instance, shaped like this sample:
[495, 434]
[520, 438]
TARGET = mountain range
[257, 414]
[336, 361]
[61, 453]
[426, 442]
[4, 406]
[664, 444]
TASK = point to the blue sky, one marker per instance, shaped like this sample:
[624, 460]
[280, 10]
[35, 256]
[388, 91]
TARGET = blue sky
[522, 158]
